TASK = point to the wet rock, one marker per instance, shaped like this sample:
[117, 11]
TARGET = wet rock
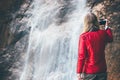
[13, 39]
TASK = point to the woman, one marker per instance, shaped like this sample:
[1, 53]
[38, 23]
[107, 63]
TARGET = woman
[91, 55]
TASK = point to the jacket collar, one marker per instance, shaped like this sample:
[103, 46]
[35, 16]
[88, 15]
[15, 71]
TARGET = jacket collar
[93, 29]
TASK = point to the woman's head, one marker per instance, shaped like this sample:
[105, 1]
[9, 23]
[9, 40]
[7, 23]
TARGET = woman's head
[90, 22]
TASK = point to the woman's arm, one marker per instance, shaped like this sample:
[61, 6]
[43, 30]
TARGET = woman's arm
[81, 54]
[108, 31]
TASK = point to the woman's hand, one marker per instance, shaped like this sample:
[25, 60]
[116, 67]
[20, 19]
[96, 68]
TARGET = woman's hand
[107, 24]
[80, 76]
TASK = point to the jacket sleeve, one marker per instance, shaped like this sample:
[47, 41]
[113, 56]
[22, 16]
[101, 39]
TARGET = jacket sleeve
[109, 35]
[81, 54]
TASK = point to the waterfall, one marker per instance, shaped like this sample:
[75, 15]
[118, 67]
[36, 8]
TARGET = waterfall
[53, 39]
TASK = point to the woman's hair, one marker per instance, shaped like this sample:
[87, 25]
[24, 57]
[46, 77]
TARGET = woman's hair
[90, 22]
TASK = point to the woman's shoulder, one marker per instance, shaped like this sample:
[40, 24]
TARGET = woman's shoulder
[83, 35]
[86, 34]
[102, 31]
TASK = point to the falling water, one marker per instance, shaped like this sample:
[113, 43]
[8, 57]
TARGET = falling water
[53, 40]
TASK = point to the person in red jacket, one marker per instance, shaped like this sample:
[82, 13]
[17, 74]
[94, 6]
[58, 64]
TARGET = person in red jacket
[91, 56]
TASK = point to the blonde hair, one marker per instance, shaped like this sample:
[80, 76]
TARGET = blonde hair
[90, 22]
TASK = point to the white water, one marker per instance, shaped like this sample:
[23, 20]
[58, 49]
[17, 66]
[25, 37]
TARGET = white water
[53, 40]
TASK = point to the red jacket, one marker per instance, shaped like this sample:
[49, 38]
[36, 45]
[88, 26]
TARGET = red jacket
[91, 55]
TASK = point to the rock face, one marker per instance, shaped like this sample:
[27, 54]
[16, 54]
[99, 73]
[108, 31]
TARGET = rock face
[12, 43]
[7, 8]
